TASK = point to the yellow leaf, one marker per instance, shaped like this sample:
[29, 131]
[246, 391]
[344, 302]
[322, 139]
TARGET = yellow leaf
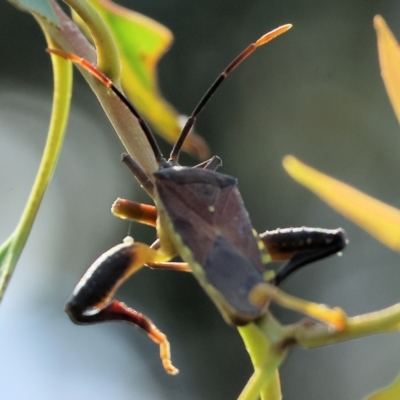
[389, 59]
[379, 219]
[392, 392]
[141, 42]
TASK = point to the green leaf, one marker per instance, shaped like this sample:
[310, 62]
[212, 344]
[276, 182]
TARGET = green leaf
[391, 392]
[141, 42]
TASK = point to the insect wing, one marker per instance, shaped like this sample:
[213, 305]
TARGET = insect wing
[213, 233]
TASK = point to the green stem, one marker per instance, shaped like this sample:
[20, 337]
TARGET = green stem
[266, 359]
[272, 391]
[108, 60]
[383, 321]
[14, 245]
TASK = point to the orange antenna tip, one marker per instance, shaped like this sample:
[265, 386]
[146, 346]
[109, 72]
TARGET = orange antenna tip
[273, 34]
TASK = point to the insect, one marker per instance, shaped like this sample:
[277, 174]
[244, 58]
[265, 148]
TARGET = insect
[199, 215]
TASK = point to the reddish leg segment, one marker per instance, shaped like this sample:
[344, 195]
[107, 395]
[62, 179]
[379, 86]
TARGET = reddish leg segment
[92, 300]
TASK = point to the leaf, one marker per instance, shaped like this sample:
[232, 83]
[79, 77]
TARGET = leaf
[39, 7]
[379, 219]
[391, 392]
[141, 42]
[389, 59]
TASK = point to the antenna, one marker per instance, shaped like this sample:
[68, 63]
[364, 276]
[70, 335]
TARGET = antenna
[108, 82]
[241, 57]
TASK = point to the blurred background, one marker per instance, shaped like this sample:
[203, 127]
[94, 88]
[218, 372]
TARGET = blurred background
[315, 92]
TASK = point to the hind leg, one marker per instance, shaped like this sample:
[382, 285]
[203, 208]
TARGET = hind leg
[93, 298]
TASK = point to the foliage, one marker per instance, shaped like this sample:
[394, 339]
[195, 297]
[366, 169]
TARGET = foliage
[379, 219]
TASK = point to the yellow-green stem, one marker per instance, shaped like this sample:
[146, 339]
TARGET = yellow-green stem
[14, 245]
[266, 359]
[384, 321]
[108, 60]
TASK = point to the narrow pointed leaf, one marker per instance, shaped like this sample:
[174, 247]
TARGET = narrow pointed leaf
[389, 59]
[379, 219]
[391, 392]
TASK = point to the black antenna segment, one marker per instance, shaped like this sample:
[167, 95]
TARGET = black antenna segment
[241, 57]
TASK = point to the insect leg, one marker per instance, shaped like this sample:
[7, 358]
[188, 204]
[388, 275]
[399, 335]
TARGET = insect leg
[92, 300]
[301, 246]
[168, 266]
[143, 213]
[139, 173]
[213, 163]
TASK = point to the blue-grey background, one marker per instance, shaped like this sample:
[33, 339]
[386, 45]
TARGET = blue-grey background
[315, 92]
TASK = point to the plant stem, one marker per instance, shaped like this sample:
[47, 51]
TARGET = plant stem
[14, 245]
[108, 60]
[383, 321]
[265, 357]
